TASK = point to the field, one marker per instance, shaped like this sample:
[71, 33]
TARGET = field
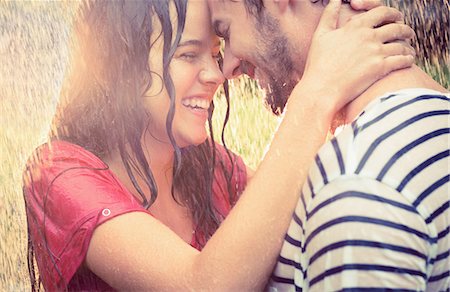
[30, 76]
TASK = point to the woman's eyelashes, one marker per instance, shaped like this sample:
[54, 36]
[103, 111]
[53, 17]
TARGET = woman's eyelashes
[192, 56]
[189, 56]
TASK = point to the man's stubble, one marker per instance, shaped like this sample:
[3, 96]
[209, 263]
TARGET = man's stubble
[274, 61]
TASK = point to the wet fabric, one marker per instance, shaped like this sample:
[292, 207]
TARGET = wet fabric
[69, 192]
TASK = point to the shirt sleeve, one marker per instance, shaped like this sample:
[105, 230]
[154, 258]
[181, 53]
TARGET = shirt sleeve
[362, 234]
[68, 193]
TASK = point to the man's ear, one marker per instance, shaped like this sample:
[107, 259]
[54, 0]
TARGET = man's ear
[282, 4]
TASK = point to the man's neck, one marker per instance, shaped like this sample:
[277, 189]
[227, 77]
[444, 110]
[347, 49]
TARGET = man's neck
[412, 77]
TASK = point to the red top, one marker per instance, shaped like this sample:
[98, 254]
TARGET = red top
[69, 192]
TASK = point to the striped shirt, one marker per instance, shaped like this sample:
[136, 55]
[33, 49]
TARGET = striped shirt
[373, 214]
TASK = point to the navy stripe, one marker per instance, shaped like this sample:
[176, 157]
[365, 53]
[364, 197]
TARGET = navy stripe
[399, 106]
[290, 263]
[421, 167]
[431, 189]
[298, 220]
[395, 130]
[438, 212]
[439, 277]
[311, 187]
[321, 169]
[355, 128]
[302, 198]
[440, 257]
[286, 281]
[408, 147]
[369, 220]
[443, 233]
[356, 194]
[339, 158]
[282, 280]
[388, 97]
[443, 255]
[364, 267]
[366, 243]
[293, 241]
[375, 289]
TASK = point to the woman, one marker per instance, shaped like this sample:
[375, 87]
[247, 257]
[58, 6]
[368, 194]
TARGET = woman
[130, 174]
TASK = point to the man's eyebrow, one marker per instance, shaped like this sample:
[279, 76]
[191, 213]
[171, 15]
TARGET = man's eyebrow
[192, 42]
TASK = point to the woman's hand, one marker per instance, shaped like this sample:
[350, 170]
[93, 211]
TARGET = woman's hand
[343, 62]
[363, 4]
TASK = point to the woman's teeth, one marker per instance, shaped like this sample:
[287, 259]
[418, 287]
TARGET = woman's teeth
[196, 103]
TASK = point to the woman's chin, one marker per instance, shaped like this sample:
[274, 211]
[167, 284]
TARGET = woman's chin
[191, 140]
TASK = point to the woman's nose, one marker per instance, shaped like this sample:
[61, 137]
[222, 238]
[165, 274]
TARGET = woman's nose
[211, 74]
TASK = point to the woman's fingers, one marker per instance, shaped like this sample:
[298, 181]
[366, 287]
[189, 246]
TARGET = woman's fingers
[395, 56]
[396, 62]
[398, 48]
[365, 4]
[329, 18]
[377, 17]
[394, 31]
[366, 50]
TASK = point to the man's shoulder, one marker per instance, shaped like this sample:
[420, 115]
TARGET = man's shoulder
[391, 137]
[384, 177]
[399, 117]
[401, 104]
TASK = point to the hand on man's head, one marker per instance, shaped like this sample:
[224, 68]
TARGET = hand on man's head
[363, 4]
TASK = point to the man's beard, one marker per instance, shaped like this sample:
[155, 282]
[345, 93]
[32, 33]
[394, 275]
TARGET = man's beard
[278, 93]
[274, 62]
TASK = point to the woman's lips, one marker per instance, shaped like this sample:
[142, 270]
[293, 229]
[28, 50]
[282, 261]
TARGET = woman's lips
[197, 105]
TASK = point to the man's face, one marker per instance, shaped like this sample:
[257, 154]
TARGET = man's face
[255, 45]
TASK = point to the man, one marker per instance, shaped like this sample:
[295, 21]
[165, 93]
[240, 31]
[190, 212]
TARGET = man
[373, 214]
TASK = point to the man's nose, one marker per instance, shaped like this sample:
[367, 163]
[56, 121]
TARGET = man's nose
[231, 64]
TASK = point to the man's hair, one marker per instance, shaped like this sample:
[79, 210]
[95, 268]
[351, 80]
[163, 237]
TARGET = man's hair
[254, 7]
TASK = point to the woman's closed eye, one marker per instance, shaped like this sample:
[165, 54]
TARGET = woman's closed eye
[189, 56]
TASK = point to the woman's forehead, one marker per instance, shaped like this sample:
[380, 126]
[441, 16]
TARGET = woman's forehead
[198, 25]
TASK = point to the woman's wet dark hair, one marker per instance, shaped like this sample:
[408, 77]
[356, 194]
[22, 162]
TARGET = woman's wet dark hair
[101, 104]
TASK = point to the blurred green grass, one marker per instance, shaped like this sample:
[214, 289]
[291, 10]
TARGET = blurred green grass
[30, 76]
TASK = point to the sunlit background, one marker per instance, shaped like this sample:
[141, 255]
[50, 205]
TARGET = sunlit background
[33, 56]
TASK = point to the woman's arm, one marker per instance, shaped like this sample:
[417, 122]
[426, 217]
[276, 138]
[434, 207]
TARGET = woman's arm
[136, 252]
[250, 173]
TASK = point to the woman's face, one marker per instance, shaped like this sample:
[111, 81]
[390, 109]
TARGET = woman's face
[196, 77]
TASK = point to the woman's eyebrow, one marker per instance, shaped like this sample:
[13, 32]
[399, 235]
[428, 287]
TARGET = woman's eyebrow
[192, 42]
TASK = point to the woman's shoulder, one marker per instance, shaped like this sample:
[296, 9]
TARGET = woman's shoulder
[57, 158]
[227, 156]
[231, 159]
[62, 151]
